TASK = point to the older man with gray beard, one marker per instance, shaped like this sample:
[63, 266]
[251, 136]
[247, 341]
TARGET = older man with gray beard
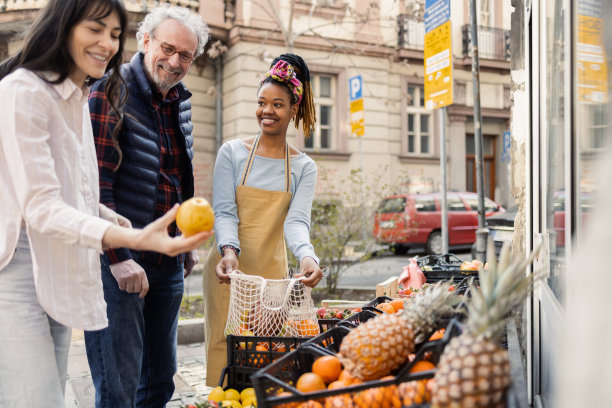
[145, 169]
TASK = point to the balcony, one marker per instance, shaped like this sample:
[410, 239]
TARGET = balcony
[493, 43]
[411, 32]
[136, 6]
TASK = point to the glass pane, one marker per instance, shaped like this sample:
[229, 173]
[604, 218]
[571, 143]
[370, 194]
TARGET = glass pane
[470, 147]
[309, 142]
[424, 203]
[490, 205]
[325, 87]
[424, 143]
[487, 146]
[392, 205]
[421, 96]
[325, 115]
[410, 143]
[424, 123]
[411, 100]
[471, 201]
[592, 106]
[555, 141]
[325, 139]
[471, 177]
[454, 203]
[410, 123]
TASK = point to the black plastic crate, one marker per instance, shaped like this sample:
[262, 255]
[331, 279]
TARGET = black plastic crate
[329, 342]
[377, 301]
[444, 267]
[247, 354]
[326, 324]
[283, 374]
[359, 317]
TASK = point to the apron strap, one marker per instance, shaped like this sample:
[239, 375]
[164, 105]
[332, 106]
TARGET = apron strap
[251, 159]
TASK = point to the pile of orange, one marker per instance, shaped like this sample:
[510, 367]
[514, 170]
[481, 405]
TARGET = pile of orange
[308, 328]
[392, 306]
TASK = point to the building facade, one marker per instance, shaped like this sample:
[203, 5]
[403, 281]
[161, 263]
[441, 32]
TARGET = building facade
[383, 42]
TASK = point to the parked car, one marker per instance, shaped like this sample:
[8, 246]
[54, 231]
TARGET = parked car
[501, 228]
[406, 221]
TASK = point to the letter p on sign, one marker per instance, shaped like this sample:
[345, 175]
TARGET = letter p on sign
[355, 87]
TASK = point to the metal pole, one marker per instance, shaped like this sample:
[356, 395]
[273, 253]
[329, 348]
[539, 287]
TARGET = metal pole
[360, 154]
[443, 204]
[482, 233]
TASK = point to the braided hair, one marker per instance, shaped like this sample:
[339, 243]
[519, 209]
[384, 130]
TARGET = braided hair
[306, 111]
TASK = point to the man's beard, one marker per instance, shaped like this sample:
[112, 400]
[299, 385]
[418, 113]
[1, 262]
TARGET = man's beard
[162, 85]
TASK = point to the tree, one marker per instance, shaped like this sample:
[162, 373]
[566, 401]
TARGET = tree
[342, 222]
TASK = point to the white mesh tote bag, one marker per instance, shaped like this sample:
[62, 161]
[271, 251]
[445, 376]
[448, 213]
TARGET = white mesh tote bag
[270, 307]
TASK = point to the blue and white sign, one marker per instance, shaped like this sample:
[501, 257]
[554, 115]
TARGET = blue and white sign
[355, 88]
[507, 145]
[437, 12]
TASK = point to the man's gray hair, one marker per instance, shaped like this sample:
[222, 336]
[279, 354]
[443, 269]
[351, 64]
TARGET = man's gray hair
[188, 19]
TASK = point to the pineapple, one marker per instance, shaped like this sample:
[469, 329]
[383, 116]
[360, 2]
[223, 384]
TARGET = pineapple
[380, 397]
[339, 401]
[474, 371]
[381, 345]
[415, 392]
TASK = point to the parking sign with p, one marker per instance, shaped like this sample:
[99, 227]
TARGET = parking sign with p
[356, 96]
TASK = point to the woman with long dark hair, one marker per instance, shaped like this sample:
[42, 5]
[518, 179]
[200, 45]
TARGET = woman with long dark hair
[53, 227]
[262, 195]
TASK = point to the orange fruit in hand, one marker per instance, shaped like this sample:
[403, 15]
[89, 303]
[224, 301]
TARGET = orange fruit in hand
[310, 382]
[195, 215]
[328, 367]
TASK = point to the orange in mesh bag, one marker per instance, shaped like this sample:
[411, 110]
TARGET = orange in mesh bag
[270, 307]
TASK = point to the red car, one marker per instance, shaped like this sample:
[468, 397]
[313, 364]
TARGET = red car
[407, 221]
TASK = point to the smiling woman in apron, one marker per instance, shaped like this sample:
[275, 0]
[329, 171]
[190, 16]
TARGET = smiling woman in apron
[262, 194]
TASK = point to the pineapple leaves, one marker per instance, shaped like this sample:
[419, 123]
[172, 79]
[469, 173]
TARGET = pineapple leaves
[503, 286]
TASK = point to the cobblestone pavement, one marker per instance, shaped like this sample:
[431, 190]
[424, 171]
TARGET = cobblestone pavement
[189, 380]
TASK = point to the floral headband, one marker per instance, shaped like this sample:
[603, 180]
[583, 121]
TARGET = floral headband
[284, 72]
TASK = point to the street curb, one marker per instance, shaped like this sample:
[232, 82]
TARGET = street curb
[190, 331]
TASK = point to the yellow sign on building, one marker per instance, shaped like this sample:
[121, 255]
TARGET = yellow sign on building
[438, 58]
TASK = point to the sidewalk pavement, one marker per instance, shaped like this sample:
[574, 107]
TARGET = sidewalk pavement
[189, 379]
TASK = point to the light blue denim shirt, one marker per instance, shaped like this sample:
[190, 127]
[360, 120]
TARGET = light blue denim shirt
[266, 174]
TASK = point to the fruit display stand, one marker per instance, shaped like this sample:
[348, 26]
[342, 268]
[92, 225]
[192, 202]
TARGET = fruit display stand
[281, 376]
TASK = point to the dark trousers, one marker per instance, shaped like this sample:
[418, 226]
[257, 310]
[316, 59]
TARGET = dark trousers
[133, 360]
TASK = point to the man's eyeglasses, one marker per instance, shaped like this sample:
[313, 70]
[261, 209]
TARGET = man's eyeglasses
[169, 50]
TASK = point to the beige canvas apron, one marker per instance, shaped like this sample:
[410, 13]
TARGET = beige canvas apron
[261, 215]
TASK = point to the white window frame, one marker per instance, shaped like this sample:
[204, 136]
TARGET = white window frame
[415, 108]
[319, 101]
[340, 134]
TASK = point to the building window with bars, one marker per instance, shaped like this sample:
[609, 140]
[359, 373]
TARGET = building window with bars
[324, 92]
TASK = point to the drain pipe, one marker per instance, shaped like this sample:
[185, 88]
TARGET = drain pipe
[218, 64]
